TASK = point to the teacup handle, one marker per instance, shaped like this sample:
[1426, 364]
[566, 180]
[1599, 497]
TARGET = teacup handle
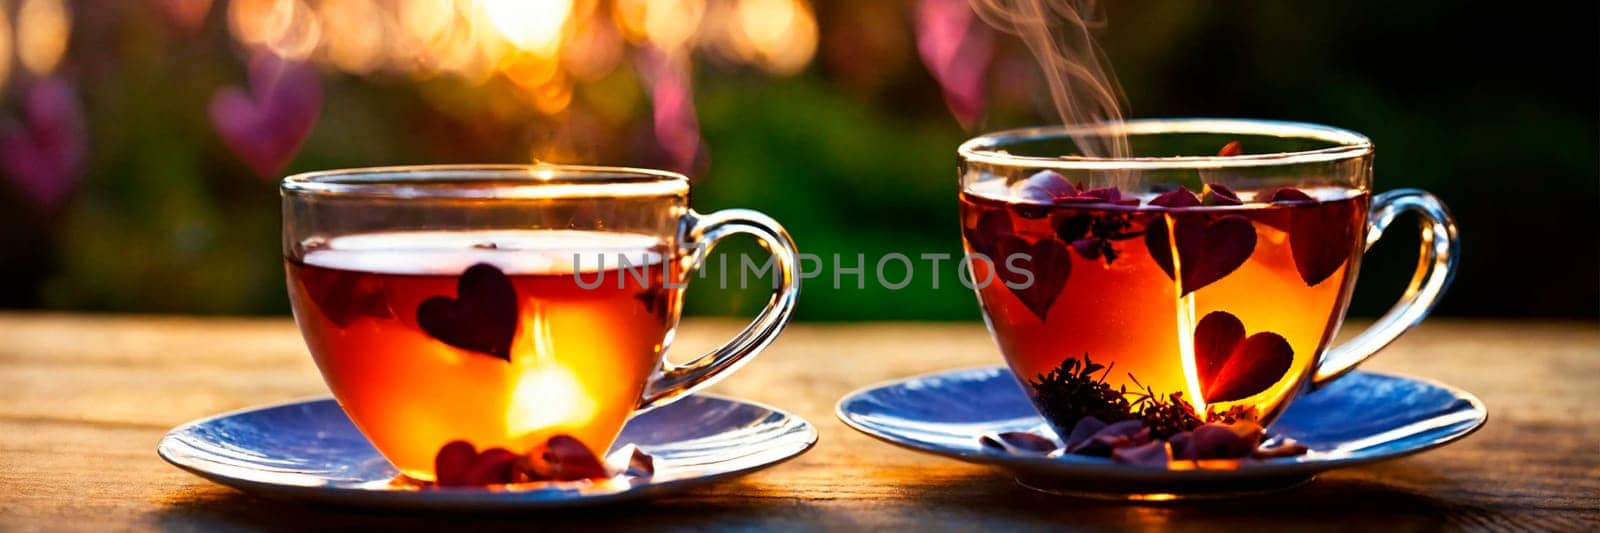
[701, 233]
[1435, 268]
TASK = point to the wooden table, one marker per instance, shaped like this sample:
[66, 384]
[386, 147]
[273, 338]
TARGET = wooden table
[83, 400]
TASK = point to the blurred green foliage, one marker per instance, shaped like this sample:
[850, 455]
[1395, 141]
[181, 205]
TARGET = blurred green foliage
[859, 158]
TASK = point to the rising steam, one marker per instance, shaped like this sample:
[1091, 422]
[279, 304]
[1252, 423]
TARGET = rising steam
[1060, 35]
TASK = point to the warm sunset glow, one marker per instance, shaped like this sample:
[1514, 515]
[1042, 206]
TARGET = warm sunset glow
[543, 47]
[43, 27]
[546, 397]
[530, 25]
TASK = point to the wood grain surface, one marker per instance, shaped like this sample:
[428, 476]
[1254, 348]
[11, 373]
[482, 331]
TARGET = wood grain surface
[83, 400]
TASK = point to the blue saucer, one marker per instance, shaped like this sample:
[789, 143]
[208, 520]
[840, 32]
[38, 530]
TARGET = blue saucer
[309, 450]
[1360, 418]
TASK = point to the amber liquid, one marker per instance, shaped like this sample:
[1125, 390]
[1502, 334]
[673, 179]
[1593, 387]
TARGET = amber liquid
[1128, 312]
[577, 363]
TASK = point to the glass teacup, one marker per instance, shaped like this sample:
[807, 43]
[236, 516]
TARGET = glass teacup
[504, 305]
[1209, 270]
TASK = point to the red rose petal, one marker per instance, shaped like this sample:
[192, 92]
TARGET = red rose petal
[1289, 195]
[451, 466]
[566, 459]
[481, 318]
[1231, 149]
[1156, 453]
[1208, 247]
[1180, 445]
[1215, 338]
[1108, 438]
[1219, 194]
[1047, 260]
[1248, 430]
[1045, 186]
[492, 467]
[1231, 367]
[1105, 194]
[1218, 441]
[1182, 197]
[1085, 428]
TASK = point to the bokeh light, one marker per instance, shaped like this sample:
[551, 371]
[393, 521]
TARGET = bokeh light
[5, 48]
[543, 46]
[43, 27]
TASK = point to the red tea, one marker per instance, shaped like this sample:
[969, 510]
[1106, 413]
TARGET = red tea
[1214, 302]
[501, 339]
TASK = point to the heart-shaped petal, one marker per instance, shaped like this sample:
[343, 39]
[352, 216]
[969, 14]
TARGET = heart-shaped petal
[266, 125]
[1215, 338]
[1047, 260]
[44, 155]
[956, 47]
[1322, 237]
[1232, 367]
[1208, 247]
[483, 316]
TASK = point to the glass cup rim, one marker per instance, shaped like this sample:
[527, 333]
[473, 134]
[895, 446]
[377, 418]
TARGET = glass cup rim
[989, 148]
[488, 181]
